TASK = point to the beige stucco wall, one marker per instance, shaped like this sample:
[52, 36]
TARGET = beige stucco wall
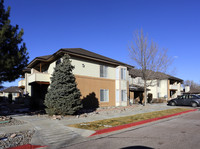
[51, 67]
[154, 89]
[162, 89]
[86, 68]
[91, 69]
[27, 86]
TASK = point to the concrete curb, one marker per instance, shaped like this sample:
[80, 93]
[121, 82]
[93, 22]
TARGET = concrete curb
[107, 130]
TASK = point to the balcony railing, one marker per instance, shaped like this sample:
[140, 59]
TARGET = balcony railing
[173, 87]
[39, 77]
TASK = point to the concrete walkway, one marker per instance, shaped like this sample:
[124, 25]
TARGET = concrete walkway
[137, 109]
[56, 133]
[48, 132]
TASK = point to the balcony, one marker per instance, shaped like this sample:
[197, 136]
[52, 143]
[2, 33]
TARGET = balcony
[21, 83]
[42, 78]
[173, 87]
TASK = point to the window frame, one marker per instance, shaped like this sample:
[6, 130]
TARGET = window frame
[123, 94]
[158, 83]
[105, 93]
[158, 95]
[123, 73]
[103, 71]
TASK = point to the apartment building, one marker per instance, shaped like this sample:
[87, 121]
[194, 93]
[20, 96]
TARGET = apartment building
[95, 74]
[160, 85]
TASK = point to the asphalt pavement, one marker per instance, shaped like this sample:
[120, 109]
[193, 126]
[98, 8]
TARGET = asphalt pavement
[179, 132]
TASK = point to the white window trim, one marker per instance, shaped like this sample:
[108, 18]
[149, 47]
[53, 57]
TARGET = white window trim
[158, 83]
[123, 95]
[123, 73]
[105, 71]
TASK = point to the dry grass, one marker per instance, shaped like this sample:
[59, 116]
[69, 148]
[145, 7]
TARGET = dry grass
[106, 123]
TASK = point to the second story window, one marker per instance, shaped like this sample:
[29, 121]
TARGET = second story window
[103, 71]
[139, 80]
[123, 73]
[158, 83]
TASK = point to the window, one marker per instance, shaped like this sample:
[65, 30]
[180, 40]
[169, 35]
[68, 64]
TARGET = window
[123, 73]
[192, 97]
[123, 95]
[103, 71]
[158, 95]
[158, 83]
[14, 94]
[104, 95]
[139, 80]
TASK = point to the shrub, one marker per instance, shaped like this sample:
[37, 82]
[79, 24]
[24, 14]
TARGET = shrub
[63, 96]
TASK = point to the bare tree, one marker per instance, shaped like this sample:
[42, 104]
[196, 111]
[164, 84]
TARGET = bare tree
[192, 84]
[148, 58]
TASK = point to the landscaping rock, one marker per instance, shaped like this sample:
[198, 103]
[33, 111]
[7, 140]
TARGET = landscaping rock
[15, 139]
[11, 121]
[56, 117]
[13, 135]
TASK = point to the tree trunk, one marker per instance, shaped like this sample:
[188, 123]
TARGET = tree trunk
[145, 92]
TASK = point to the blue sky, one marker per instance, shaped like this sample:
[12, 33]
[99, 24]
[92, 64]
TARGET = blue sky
[106, 27]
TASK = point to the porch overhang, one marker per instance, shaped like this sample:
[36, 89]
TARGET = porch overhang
[136, 88]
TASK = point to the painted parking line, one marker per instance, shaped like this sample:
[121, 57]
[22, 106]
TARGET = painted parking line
[107, 130]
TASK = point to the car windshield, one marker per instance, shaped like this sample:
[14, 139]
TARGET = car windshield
[198, 96]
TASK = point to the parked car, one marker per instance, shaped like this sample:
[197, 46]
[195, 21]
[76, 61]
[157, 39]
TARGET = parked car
[185, 100]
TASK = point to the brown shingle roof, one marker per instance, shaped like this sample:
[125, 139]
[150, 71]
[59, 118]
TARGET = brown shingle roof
[91, 54]
[44, 57]
[13, 89]
[81, 53]
[193, 91]
[152, 75]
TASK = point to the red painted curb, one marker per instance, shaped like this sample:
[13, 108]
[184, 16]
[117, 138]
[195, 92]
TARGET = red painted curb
[27, 146]
[102, 131]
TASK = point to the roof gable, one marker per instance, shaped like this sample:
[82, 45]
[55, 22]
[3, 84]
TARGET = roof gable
[80, 53]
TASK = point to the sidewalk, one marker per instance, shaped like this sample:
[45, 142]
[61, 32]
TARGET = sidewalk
[114, 112]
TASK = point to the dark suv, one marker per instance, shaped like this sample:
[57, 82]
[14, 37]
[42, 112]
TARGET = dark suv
[185, 100]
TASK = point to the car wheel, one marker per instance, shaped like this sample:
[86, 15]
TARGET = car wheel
[172, 103]
[194, 104]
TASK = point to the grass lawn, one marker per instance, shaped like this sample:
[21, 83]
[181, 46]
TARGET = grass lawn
[106, 123]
